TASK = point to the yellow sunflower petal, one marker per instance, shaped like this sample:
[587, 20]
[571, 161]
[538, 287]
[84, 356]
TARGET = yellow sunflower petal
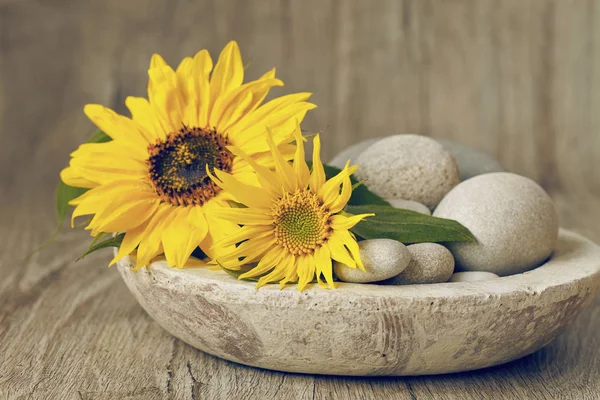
[251, 250]
[317, 176]
[228, 73]
[279, 272]
[125, 216]
[267, 178]
[101, 197]
[338, 251]
[350, 242]
[156, 61]
[261, 87]
[143, 114]
[117, 127]
[330, 191]
[269, 260]
[72, 178]
[218, 229]
[341, 222]
[168, 102]
[180, 237]
[243, 216]
[324, 266]
[306, 271]
[130, 242]
[243, 101]
[338, 202]
[283, 168]
[262, 114]
[300, 166]
[251, 196]
[150, 245]
[201, 73]
[243, 234]
[227, 111]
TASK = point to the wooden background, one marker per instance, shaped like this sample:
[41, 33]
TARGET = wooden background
[519, 79]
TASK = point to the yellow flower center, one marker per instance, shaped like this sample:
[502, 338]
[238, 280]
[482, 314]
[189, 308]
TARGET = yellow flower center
[177, 165]
[301, 222]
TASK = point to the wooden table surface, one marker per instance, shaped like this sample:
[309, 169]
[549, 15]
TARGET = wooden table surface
[520, 80]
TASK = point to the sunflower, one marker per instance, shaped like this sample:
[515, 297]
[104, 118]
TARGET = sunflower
[150, 180]
[294, 225]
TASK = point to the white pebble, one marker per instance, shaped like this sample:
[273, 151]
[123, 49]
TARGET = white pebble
[513, 219]
[382, 258]
[351, 153]
[429, 263]
[410, 167]
[471, 162]
[409, 205]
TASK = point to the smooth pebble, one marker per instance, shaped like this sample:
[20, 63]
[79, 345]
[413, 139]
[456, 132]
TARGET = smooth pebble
[429, 263]
[351, 153]
[382, 258]
[471, 162]
[513, 219]
[410, 167]
[472, 276]
[409, 205]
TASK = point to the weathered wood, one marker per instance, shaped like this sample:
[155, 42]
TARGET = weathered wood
[519, 79]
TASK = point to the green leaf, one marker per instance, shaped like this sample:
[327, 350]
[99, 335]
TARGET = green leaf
[236, 273]
[110, 242]
[235, 204]
[407, 226]
[64, 194]
[360, 194]
[99, 137]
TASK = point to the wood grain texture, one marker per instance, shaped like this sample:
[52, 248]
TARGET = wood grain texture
[518, 79]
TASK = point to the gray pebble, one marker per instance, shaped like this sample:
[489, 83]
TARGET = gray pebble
[409, 205]
[409, 167]
[513, 219]
[472, 276]
[470, 162]
[382, 258]
[351, 153]
[430, 263]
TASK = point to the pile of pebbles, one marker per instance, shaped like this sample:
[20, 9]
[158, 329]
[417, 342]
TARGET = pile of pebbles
[513, 219]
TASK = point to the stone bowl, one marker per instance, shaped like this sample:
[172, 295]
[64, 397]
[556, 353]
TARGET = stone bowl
[363, 329]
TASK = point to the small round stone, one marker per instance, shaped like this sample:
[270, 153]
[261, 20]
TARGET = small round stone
[513, 219]
[429, 263]
[382, 258]
[409, 167]
[470, 162]
[351, 153]
[472, 276]
[409, 205]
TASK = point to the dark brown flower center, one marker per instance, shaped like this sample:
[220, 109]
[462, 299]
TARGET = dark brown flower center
[177, 165]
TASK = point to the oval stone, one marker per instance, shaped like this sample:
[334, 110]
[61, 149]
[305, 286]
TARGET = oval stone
[429, 263]
[409, 205]
[471, 162]
[410, 167]
[472, 276]
[382, 258]
[513, 219]
[351, 153]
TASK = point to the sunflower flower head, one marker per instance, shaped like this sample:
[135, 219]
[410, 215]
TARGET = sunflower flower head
[150, 180]
[293, 225]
